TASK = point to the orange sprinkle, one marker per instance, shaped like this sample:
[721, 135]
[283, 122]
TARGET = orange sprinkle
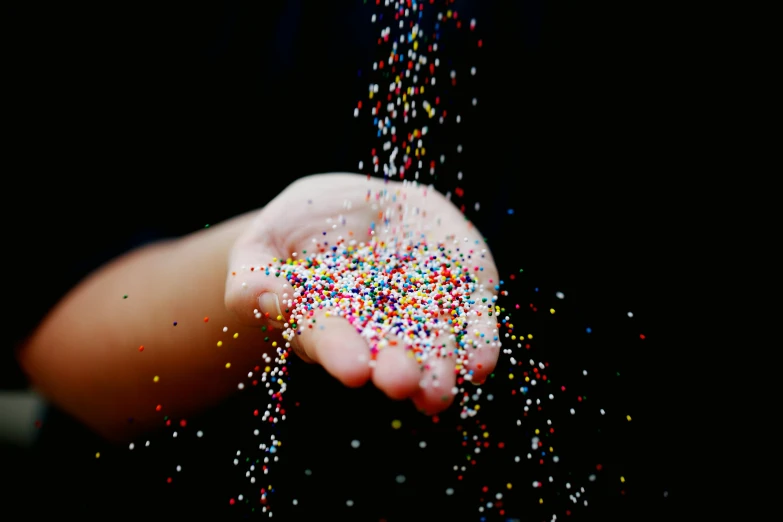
[206, 319]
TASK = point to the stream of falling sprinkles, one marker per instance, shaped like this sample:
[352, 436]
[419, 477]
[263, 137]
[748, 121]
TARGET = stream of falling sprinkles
[371, 285]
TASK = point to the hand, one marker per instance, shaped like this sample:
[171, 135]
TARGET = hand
[315, 213]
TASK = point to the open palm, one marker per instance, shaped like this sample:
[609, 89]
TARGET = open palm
[316, 214]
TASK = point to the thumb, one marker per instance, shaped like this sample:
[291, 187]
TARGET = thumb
[257, 292]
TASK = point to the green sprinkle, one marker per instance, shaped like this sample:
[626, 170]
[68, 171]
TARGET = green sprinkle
[125, 296]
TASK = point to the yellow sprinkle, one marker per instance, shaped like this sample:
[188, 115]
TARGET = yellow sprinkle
[236, 335]
[510, 375]
[267, 369]
[622, 479]
[551, 310]
[396, 424]
[540, 500]
[228, 365]
[274, 344]
[527, 379]
[486, 434]
[529, 336]
[513, 337]
[477, 407]
[155, 379]
[551, 449]
[279, 317]
[537, 432]
[628, 417]
[508, 485]
[220, 343]
[98, 455]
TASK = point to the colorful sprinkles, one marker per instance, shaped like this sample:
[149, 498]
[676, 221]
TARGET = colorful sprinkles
[428, 296]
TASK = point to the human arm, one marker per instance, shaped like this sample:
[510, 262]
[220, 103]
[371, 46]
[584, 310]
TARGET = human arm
[85, 354]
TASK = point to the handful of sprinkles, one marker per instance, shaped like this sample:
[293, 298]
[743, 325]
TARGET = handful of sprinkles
[428, 296]
[414, 294]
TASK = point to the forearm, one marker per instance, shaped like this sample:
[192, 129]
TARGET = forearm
[86, 354]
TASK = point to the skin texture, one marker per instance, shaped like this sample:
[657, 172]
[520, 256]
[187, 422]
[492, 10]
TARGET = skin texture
[85, 356]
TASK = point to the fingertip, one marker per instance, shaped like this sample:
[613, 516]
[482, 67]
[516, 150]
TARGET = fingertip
[396, 374]
[340, 350]
[430, 403]
[436, 389]
[483, 362]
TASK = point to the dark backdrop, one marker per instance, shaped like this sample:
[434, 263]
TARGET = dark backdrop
[129, 123]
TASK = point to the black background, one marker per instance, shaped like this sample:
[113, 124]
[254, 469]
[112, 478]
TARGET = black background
[129, 123]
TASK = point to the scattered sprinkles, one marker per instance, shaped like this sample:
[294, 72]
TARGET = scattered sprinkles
[429, 297]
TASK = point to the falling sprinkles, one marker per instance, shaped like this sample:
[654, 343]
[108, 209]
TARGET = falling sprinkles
[370, 285]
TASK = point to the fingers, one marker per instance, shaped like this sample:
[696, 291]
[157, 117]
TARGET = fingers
[482, 347]
[334, 344]
[436, 385]
[396, 371]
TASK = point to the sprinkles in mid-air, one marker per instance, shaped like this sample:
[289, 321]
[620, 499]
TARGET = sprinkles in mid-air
[416, 292]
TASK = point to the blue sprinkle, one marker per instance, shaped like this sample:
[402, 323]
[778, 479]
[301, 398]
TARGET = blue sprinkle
[510, 211]
[589, 330]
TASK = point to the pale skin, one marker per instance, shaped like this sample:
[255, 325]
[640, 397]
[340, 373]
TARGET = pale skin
[85, 354]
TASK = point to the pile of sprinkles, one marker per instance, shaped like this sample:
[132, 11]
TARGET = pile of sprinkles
[417, 294]
[412, 291]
